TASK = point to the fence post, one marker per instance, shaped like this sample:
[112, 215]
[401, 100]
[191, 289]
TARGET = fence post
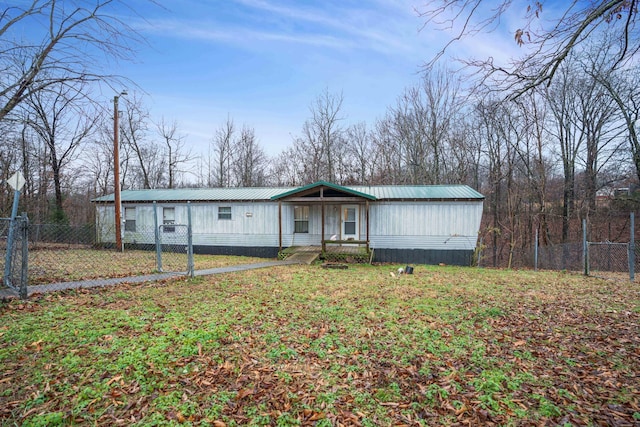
[24, 278]
[632, 247]
[10, 238]
[190, 263]
[585, 247]
[156, 235]
[535, 253]
[479, 248]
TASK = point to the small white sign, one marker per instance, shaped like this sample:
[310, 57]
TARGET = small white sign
[16, 181]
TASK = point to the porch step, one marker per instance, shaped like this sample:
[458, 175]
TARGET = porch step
[304, 257]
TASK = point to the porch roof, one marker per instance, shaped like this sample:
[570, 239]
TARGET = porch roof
[312, 189]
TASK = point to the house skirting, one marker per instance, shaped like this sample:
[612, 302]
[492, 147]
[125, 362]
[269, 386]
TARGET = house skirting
[260, 252]
[402, 256]
[424, 256]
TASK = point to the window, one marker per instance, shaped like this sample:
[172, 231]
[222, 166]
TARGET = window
[301, 219]
[168, 218]
[224, 212]
[129, 219]
[349, 220]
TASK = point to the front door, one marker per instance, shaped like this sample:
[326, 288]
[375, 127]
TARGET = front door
[350, 226]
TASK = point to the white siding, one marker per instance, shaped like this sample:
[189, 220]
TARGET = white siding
[425, 225]
[393, 225]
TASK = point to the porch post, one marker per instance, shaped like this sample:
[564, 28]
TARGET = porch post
[322, 221]
[280, 225]
[367, 220]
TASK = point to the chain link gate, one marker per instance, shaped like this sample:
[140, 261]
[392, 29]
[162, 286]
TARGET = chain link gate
[14, 248]
[174, 248]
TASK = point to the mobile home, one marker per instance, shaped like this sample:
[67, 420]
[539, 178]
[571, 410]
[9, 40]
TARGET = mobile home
[425, 224]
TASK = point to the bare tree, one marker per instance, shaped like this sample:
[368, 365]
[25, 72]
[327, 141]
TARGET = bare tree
[238, 159]
[325, 117]
[598, 118]
[222, 145]
[59, 119]
[46, 43]
[586, 131]
[623, 86]
[443, 102]
[533, 152]
[494, 131]
[35, 166]
[422, 123]
[250, 160]
[548, 48]
[321, 143]
[388, 153]
[310, 149]
[463, 155]
[287, 168]
[360, 149]
[176, 152]
[569, 138]
[142, 162]
[408, 127]
[98, 158]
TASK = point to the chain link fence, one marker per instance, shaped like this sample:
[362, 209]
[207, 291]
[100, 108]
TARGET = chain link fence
[592, 258]
[172, 248]
[14, 255]
[62, 253]
[567, 256]
[66, 257]
[608, 257]
[601, 257]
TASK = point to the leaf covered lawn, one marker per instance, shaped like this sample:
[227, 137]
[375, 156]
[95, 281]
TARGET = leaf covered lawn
[71, 264]
[301, 345]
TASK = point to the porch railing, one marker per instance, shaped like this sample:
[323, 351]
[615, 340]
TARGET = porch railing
[344, 242]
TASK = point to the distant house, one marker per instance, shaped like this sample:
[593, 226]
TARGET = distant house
[405, 224]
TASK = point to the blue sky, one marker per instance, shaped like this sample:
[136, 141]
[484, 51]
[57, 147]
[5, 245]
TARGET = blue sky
[263, 62]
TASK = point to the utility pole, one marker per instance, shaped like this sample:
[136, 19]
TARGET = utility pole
[116, 173]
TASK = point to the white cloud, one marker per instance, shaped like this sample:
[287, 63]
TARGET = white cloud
[392, 30]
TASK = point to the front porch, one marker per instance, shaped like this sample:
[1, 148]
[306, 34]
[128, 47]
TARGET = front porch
[354, 253]
[328, 219]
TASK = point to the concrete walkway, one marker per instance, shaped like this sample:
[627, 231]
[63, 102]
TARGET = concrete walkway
[99, 283]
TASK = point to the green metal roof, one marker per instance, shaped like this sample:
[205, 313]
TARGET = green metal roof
[196, 194]
[373, 192]
[420, 192]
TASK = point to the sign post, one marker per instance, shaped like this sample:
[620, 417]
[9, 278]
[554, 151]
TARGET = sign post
[16, 182]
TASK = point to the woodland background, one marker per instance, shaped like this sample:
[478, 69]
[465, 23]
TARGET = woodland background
[549, 143]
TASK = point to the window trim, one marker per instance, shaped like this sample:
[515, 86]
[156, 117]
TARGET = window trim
[130, 224]
[225, 216]
[302, 220]
[168, 222]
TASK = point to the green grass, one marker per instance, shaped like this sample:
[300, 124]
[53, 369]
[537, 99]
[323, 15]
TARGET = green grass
[301, 345]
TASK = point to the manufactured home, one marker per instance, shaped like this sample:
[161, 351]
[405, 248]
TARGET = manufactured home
[427, 224]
